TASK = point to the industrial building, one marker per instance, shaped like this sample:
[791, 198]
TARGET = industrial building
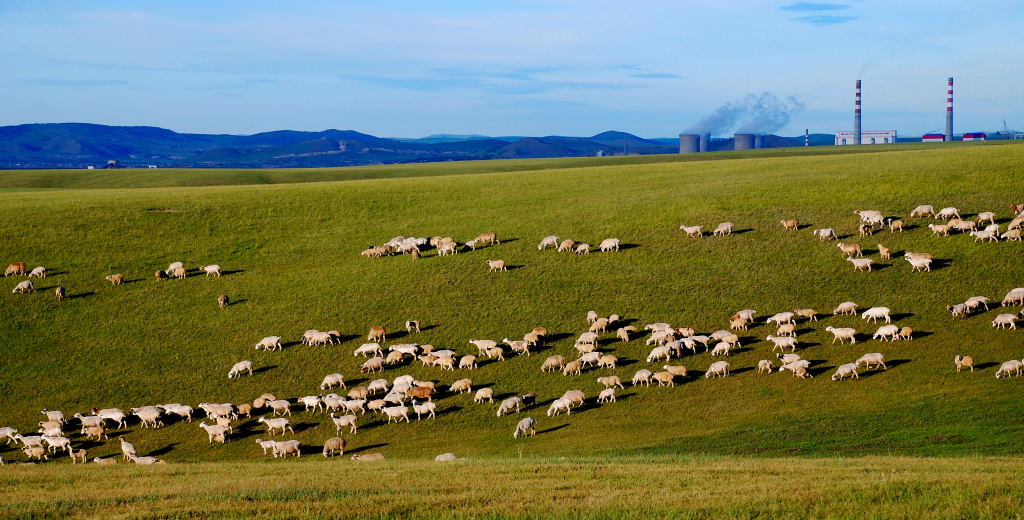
[933, 138]
[974, 136]
[845, 137]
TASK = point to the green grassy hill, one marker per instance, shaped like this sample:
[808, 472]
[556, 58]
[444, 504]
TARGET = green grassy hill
[291, 258]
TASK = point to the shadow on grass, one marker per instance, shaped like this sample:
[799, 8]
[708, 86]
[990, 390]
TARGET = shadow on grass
[361, 449]
[940, 263]
[447, 411]
[163, 451]
[228, 273]
[821, 370]
[983, 366]
[741, 370]
[511, 267]
[556, 337]
[236, 302]
[79, 295]
[741, 231]
[628, 246]
[901, 316]
[553, 428]
[262, 369]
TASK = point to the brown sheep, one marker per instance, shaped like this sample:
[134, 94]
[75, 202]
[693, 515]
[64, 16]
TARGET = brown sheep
[885, 252]
[359, 392]
[665, 378]
[334, 445]
[116, 279]
[850, 249]
[599, 325]
[490, 238]
[160, 275]
[377, 333]
[895, 225]
[786, 329]
[964, 362]
[675, 370]
[223, 301]
[17, 268]
[810, 314]
[79, 455]
[242, 409]
[540, 331]
[420, 392]
[179, 273]
[790, 225]
[906, 333]
[566, 245]
[865, 230]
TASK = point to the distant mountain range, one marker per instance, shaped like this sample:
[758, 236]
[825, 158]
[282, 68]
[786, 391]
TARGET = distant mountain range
[77, 145]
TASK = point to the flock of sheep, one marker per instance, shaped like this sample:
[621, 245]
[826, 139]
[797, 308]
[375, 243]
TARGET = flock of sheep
[397, 398]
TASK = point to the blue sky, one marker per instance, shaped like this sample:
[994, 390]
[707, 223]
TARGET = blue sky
[558, 67]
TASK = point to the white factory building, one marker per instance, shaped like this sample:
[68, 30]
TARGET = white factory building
[844, 137]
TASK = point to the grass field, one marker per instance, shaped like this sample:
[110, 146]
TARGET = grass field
[290, 255]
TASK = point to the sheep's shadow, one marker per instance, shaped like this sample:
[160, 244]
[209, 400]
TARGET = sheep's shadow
[844, 237]
[511, 267]
[361, 449]
[304, 426]
[983, 366]
[741, 231]
[741, 370]
[879, 266]
[347, 337]
[821, 370]
[426, 328]
[163, 451]
[628, 246]
[901, 316]
[622, 397]
[556, 337]
[896, 362]
[625, 362]
[921, 334]
[79, 295]
[447, 411]
[236, 271]
[55, 273]
[237, 302]
[940, 263]
[265, 368]
[804, 345]
[553, 428]
[801, 226]
[285, 345]
[910, 227]
[136, 280]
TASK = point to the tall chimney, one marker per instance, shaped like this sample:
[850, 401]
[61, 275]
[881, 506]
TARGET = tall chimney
[856, 115]
[949, 111]
[807, 137]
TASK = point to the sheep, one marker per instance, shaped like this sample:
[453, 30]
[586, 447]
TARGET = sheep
[764, 367]
[17, 268]
[623, 332]
[359, 392]
[532, 338]
[876, 313]
[496, 265]
[988, 235]
[675, 370]
[94, 432]
[1013, 234]
[782, 317]
[939, 229]
[38, 272]
[587, 338]
[884, 332]
[483, 344]
[35, 452]
[1012, 365]
[462, 385]
[269, 343]
[718, 369]
[111, 414]
[490, 238]
[54, 415]
[787, 359]
[508, 404]
[560, 405]
[420, 392]
[1005, 320]
[738, 324]
[869, 216]
[468, 362]
[846, 308]
[238, 368]
[895, 225]
[599, 325]
[181, 410]
[106, 461]
[874, 358]
[825, 234]
[963, 361]
[860, 264]
[79, 455]
[692, 231]
[280, 406]
[29, 440]
[609, 244]
[284, 448]
[731, 339]
[642, 376]
[607, 361]
[1014, 297]
[332, 380]
[573, 368]
[841, 334]
[484, 394]
[427, 409]
[518, 346]
[906, 333]
[23, 287]
[212, 269]
[56, 443]
[375, 364]
[865, 230]
[589, 359]
[721, 349]
[958, 310]
[844, 371]
[809, 314]
[127, 449]
[377, 333]
[884, 252]
[50, 431]
[334, 445]
[396, 413]
[312, 402]
[550, 240]
[566, 246]
[658, 353]
[342, 422]
[115, 279]
[149, 416]
[355, 406]
[582, 249]
[377, 385]
[393, 358]
[790, 225]
[945, 213]
[610, 381]
[725, 228]
[922, 210]
[412, 326]
[977, 301]
[368, 349]
[217, 432]
[555, 362]
[160, 275]
[782, 342]
[525, 427]
[592, 317]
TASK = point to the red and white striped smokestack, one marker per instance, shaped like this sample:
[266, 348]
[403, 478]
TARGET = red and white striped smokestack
[949, 111]
[856, 115]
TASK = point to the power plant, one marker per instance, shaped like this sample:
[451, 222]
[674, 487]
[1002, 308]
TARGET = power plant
[949, 110]
[856, 115]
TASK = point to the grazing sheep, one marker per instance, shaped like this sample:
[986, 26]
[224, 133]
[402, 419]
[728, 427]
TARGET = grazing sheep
[359, 392]
[738, 324]
[869, 216]
[508, 404]
[610, 381]
[377, 385]
[276, 423]
[8, 434]
[1005, 320]
[609, 244]
[782, 342]
[490, 238]
[217, 432]
[809, 314]
[560, 405]
[496, 265]
[115, 279]
[270, 343]
[846, 308]
[977, 301]
[127, 449]
[59, 293]
[721, 349]
[238, 368]
[377, 333]
[23, 287]
[550, 240]
[421, 409]
[1013, 365]
[958, 310]
[17, 268]
[876, 359]
[333, 446]
[160, 275]
[964, 362]
[462, 385]
[1014, 297]
[692, 231]
[607, 361]
[38, 272]
[521, 347]
[368, 349]
[764, 367]
[623, 332]
[468, 362]
[606, 396]
[922, 210]
[884, 252]
[412, 326]
[658, 353]
[850, 249]
[844, 371]
[860, 264]
[790, 225]
[825, 234]
[945, 213]
[939, 229]
[642, 376]
[987, 235]
[718, 369]
[566, 246]
[725, 228]
[884, 332]
[375, 364]
[222, 301]
[582, 249]
[573, 368]
[782, 317]
[877, 313]
[906, 333]
[1013, 234]
[484, 394]
[599, 325]
[396, 413]
[525, 427]
[553, 363]
[843, 333]
[213, 270]
[895, 225]
[786, 359]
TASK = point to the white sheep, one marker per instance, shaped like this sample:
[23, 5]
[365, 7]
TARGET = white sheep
[846, 308]
[874, 358]
[977, 301]
[861, 264]
[1013, 234]
[609, 244]
[276, 423]
[375, 364]
[886, 332]
[582, 249]
[368, 349]
[238, 368]
[38, 272]
[922, 210]
[427, 409]
[507, 405]
[844, 371]
[312, 402]
[211, 270]
[945, 213]
[657, 353]
[290, 447]
[877, 313]
[782, 317]
[1005, 320]
[524, 427]
[377, 385]
[786, 359]
[24, 286]
[114, 415]
[721, 349]
[269, 343]
[560, 405]
[484, 394]
[919, 264]
[149, 416]
[870, 216]
[986, 235]
[826, 234]
[725, 228]
[1015, 366]
[519, 346]
[606, 396]
[718, 369]
[764, 367]
[642, 376]
[332, 380]
[550, 240]
[215, 432]
[496, 265]
[842, 333]
[692, 231]
[782, 342]
[1014, 297]
[396, 413]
